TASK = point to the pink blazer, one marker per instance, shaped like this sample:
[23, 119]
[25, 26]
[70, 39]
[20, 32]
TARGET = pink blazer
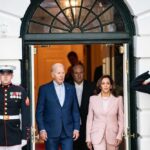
[108, 124]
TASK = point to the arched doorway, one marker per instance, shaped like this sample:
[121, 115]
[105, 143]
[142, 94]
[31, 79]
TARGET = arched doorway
[51, 22]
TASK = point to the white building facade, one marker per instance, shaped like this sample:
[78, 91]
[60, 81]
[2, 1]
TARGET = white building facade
[11, 13]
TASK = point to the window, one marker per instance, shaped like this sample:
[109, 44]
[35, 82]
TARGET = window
[75, 16]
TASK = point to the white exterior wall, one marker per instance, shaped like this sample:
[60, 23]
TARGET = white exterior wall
[11, 50]
[141, 10]
[11, 13]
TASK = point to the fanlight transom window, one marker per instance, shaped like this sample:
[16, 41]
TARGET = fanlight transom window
[76, 16]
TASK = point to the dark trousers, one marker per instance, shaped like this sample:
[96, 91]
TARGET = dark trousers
[80, 143]
[65, 142]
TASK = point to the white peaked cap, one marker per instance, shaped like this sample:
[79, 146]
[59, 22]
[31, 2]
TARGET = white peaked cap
[7, 67]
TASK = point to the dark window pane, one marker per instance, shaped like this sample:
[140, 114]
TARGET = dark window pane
[93, 27]
[84, 13]
[50, 6]
[109, 28]
[37, 28]
[41, 16]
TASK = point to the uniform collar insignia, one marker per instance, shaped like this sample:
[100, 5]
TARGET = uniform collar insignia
[6, 86]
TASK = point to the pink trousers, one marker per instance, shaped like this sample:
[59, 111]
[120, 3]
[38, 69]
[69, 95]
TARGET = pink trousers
[104, 146]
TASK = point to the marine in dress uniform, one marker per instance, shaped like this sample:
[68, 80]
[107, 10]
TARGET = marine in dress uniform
[14, 112]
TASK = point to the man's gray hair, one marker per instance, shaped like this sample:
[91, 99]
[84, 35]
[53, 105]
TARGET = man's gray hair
[54, 66]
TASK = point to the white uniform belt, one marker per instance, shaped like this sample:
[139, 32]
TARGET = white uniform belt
[9, 117]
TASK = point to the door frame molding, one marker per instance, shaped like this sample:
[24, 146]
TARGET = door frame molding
[79, 38]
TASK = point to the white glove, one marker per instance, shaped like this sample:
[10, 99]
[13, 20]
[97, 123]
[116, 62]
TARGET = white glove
[23, 143]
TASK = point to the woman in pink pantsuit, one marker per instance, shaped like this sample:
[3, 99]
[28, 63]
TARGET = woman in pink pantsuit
[105, 118]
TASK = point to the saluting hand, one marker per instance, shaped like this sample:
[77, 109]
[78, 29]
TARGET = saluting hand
[75, 135]
[43, 135]
[146, 82]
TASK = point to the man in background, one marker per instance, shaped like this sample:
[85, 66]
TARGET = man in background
[73, 59]
[84, 90]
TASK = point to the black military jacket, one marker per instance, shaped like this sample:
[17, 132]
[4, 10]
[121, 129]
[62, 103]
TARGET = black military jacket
[137, 83]
[14, 101]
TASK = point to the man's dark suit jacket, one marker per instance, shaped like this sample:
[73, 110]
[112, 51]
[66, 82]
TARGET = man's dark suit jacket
[137, 83]
[88, 89]
[51, 116]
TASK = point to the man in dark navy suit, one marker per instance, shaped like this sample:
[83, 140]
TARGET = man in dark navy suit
[57, 112]
[141, 83]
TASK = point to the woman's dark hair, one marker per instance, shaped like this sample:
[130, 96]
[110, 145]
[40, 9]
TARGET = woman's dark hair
[99, 82]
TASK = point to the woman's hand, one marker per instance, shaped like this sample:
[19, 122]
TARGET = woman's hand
[117, 142]
[89, 145]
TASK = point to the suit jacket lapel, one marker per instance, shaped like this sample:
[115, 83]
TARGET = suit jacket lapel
[83, 94]
[66, 94]
[101, 103]
[111, 103]
[55, 94]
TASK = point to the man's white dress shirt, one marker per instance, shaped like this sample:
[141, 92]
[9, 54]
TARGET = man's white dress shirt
[60, 91]
[79, 91]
